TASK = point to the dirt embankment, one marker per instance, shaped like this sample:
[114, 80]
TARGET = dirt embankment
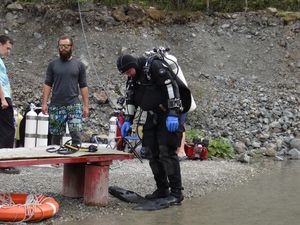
[243, 68]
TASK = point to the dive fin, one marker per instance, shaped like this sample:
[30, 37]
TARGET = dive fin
[151, 205]
[125, 195]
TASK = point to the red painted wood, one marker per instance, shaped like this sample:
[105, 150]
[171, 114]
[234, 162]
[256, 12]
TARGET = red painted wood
[73, 180]
[70, 159]
[96, 185]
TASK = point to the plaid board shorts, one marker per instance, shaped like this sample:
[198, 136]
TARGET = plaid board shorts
[59, 115]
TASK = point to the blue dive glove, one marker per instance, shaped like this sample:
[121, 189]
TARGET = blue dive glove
[125, 128]
[172, 123]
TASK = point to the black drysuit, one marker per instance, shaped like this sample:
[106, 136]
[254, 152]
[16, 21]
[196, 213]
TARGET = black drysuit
[151, 95]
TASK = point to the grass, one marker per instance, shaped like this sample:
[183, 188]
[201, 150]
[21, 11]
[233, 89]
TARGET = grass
[288, 16]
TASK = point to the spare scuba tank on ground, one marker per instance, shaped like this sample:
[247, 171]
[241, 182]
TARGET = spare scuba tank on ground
[36, 128]
[42, 129]
[197, 150]
[30, 128]
[66, 137]
[112, 134]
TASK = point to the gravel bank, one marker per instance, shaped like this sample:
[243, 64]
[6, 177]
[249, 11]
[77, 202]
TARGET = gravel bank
[199, 178]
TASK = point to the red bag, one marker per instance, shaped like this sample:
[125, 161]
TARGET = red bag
[204, 153]
[196, 152]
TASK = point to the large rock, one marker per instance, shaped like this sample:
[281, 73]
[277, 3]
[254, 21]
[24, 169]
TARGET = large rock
[15, 6]
[295, 143]
[101, 97]
[240, 147]
[155, 14]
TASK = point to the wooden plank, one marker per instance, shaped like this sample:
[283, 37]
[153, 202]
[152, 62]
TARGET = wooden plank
[55, 160]
[41, 152]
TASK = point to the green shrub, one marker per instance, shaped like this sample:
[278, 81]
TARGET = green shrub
[220, 147]
[190, 134]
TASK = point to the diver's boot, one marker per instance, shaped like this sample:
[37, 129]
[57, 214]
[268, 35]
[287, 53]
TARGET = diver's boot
[161, 180]
[158, 193]
[176, 197]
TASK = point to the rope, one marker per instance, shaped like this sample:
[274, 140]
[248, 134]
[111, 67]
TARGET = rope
[85, 40]
[31, 204]
[88, 52]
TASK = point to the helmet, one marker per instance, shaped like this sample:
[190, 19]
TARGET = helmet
[126, 62]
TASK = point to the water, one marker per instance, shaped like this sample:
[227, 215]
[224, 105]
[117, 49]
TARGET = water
[269, 199]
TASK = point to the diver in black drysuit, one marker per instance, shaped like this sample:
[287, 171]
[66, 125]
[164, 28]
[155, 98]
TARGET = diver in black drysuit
[157, 93]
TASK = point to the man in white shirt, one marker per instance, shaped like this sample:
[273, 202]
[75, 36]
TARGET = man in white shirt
[7, 127]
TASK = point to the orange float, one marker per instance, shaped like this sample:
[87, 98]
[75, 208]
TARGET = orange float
[24, 207]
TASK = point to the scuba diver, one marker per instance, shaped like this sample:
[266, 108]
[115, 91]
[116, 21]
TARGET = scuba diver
[156, 91]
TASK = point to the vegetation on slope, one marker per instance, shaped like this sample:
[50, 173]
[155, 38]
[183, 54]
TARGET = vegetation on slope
[209, 5]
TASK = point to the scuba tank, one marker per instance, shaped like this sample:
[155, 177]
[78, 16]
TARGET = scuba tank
[30, 128]
[112, 134]
[171, 61]
[66, 137]
[42, 129]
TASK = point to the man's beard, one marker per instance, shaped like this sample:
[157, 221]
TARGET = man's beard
[65, 56]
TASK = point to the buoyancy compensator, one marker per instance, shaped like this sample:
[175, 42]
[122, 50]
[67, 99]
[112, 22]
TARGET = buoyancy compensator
[170, 61]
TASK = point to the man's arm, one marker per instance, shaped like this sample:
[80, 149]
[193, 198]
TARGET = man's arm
[85, 100]
[46, 94]
[4, 103]
[84, 90]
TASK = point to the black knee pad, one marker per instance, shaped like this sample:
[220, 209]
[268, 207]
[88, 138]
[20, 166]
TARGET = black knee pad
[76, 140]
[56, 139]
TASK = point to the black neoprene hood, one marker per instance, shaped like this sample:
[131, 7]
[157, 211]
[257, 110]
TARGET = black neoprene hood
[126, 62]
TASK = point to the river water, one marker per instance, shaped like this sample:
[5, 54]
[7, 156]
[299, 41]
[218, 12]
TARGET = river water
[272, 198]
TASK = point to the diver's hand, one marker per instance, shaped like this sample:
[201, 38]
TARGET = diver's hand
[125, 128]
[172, 123]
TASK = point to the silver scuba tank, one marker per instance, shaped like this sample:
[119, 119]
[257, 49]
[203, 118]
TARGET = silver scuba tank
[172, 61]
